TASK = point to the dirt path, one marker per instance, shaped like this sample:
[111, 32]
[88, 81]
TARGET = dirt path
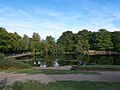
[11, 78]
[105, 76]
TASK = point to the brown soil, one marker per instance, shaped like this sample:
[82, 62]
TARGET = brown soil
[105, 76]
[11, 78]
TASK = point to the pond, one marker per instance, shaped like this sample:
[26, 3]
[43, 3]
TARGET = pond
[71, 59]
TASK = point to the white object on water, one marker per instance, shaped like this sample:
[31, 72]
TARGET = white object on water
[34, 62]
[84, 64]
[43, 65]
[55, 64]
[39, 62]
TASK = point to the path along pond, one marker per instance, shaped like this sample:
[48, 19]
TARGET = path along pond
[70, 59]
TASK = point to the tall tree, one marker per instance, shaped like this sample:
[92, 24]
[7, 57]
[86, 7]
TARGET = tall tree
[83, 40]
[51, 44]
[36, 41]
[8, 41]
[36, 37]
[66, 41]
[26, 42]
[116, 40]
[101, 40]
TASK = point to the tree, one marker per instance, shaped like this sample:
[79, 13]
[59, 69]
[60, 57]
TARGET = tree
[36, 37]
[66, 41]
[74, 42]
[8, 42]
[101, 40]
[51, 44]
[26, 42]
[116, 40]
[85, 33]
[83, 40]
[36, 41]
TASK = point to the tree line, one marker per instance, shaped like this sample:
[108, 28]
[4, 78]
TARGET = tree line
[84, 40]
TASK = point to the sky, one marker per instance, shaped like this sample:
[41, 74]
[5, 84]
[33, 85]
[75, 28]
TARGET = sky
[53, 17]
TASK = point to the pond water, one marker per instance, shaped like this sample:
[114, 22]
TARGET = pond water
[71, 59]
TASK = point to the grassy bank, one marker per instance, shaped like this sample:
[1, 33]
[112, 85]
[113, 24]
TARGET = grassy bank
[37, 71]
[64, 85]
[88, 69]
[98, 67]
[11, 63]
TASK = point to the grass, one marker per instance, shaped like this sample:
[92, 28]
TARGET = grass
[51, 72]
[67, 72]
[29, 71]
[98, 67]
[88, 69]
[64, 85]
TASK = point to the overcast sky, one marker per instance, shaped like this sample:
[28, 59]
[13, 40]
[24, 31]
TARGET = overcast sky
[52, 17]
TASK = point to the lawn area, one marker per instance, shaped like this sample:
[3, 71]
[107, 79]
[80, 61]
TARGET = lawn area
[64, 85]
[98, 67]
[88, 69]
[67, 72]
[37, 71]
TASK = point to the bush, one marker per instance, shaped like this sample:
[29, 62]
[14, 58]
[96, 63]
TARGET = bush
[97, 67]
[2, 56]
[3, 83]
[11, 63]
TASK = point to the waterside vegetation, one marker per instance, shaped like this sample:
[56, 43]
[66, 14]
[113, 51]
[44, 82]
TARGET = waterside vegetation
[68, 42]
[64, 85]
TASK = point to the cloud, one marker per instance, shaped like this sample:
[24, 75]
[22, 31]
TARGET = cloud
[102, 16]
[46, 21]
[24, 23]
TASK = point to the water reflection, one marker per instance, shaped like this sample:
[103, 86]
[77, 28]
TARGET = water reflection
[55, 63]
[70, 59]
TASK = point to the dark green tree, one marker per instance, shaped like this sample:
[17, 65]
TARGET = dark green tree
[66, 41]
[51, 45]
[101, 40]
[36, 37]
[35, 42]
[8, 42]
[83, 40]
[116, 40]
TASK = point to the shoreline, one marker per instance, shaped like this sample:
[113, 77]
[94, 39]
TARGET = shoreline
[93, 52]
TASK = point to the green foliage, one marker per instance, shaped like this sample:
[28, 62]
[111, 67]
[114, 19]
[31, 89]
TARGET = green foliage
[29, 71]
[68, 42]
[66, 72]
[64, 85]
[51, 45]
[2, 56]
[3, 83]
[7, 41]
[11, 63]
[97, 67]
[74, 42]
[51, 72]
[101, 40]
[83, 40]
[36, 37]
[116, 40]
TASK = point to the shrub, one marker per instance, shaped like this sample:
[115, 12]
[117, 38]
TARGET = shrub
[3, 83]
[2, 56]
[9, 63]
